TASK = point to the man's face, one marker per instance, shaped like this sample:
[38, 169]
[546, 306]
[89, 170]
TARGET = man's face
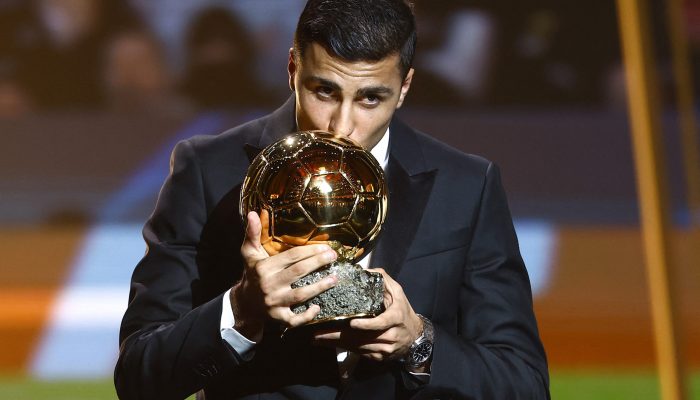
[351, 98]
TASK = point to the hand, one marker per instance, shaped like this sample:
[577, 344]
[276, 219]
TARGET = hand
[387, 336]
[265, 290]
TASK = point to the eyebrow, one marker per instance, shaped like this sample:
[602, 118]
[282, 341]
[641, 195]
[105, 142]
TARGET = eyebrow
[370, 90]
[375, 90]
[324, 82]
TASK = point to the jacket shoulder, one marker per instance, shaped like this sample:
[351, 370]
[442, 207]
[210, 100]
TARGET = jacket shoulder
[233, 138]
[222, 160]
[441, 156]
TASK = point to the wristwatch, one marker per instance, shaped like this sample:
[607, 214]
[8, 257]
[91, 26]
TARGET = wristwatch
[422, 348]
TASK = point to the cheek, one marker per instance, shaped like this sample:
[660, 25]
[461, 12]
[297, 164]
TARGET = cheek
[314, 115]
[374, 121]
[370, 127]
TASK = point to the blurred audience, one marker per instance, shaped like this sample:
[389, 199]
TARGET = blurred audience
[18, 38]
[543, 52]
[554, 52]
[87, 55]
[138, 80]
[457, 42]
[14, 101]
[63, 70]
[219, 62]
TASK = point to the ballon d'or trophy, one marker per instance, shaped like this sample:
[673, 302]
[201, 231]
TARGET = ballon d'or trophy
[315, 187]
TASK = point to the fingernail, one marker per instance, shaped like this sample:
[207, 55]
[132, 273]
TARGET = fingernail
[330, 255]
[331, 279]
[321, 248]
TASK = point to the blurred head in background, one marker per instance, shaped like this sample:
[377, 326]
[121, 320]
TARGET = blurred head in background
[15, 102]
[219, 62]
[137, 78]
[67, 22]
[457, 42]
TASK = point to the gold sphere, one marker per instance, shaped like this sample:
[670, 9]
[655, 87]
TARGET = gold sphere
[315, 187]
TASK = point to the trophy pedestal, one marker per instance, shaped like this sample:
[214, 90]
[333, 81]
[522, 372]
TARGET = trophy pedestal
[357, 294]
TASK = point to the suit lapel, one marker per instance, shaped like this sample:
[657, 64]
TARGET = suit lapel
[410, 183]
[280, 123]
[252, 151]
[408, 196]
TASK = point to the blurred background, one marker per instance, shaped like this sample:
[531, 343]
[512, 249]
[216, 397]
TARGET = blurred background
[94, 95]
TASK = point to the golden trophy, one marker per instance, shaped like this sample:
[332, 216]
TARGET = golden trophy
[315, 187]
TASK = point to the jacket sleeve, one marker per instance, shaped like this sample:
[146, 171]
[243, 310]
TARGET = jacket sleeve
[496, 352]
[168, 347]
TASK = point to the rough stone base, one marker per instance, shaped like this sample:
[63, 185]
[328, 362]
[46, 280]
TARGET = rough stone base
[358, 292]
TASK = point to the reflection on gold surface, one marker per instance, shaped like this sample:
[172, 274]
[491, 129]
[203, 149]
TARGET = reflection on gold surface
[315, 187]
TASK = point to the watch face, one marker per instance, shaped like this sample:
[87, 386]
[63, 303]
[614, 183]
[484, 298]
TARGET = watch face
[422, 353]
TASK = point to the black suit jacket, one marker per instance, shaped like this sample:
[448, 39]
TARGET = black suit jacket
[448, 240]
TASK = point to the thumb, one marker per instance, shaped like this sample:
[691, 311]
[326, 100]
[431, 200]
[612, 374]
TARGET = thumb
[252, 249]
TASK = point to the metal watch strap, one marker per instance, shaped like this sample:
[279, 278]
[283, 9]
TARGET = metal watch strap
[423, 344]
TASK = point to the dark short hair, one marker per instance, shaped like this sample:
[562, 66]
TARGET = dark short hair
[359, 30]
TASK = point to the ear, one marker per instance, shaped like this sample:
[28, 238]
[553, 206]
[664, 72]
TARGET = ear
[405, 86]
[291, 68]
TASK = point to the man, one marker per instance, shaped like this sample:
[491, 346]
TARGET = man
[205, 316]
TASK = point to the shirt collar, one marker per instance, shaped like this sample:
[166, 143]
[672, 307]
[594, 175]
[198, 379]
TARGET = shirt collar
[381, 150]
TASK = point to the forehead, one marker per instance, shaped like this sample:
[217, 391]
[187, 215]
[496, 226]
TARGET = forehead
[319, 62]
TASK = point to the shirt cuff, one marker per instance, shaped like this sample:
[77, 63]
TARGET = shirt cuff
[244, 347]
[415, 380]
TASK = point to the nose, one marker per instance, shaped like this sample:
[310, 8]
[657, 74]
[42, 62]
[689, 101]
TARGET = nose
[341, 122]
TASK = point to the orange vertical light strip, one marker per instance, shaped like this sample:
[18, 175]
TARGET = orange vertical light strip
[684, 99]
[648, 154]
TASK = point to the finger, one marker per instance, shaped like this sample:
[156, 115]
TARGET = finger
[253, 230]
[320, 258]
[285, 297]
[388, 280]
[381, 348]
[348, 338]
[392, 288]
[374, 356]
[381, 354]
[307, 316]
[331, 339]
[381, 322]
[327, 335]
[304, 293]
[365, 337]
[281, 262]
[300, 253]
[252, 249]
[381, 271]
